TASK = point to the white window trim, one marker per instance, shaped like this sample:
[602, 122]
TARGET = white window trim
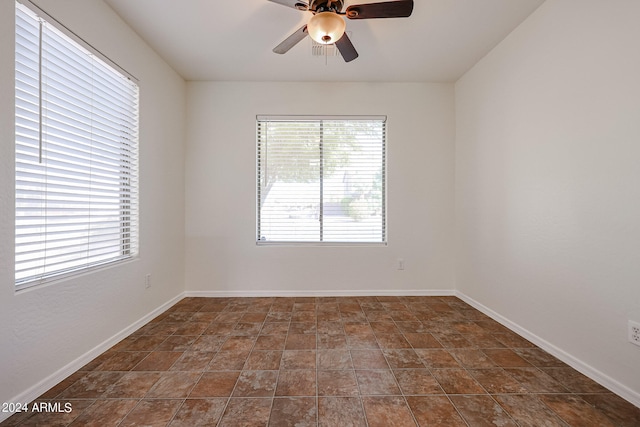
[75, 37]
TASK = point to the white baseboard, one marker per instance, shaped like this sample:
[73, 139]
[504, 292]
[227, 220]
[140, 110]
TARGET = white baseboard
[604, 380]
[36, 390]
[314, 293]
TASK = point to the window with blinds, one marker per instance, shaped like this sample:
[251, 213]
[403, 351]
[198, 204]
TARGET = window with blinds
[321, 180]
[76, 164]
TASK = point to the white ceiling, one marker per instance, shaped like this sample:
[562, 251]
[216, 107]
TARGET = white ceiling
[233, 39]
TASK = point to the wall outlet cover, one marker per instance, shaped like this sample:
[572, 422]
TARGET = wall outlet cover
[634, 332]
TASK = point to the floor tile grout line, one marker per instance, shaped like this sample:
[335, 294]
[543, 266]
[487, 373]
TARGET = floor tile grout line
[275, 386]
[316, 373]
[404, 397]
[238, 379]
[394, 378]
[360, 399]
[208, 364]
[194, 384]
[188, 393]
[447, 395]
[129, 412]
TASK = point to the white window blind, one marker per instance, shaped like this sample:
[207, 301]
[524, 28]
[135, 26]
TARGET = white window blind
[76, 155]
[321, 180]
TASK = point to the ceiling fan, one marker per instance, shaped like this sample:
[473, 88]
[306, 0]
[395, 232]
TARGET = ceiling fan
[327, 25]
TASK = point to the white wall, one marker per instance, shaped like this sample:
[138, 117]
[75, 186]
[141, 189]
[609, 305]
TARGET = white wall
[547, 183]
[221, 253]
[45, 329]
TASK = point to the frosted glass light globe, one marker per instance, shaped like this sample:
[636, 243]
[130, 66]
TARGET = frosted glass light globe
[326, 27]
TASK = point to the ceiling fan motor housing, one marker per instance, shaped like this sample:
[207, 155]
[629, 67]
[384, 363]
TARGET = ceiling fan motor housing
[326, 5]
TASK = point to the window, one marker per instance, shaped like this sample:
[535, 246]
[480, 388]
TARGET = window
[321, 180]
[76, 154]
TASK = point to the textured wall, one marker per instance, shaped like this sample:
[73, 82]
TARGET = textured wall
[221, 185]
[547, 195]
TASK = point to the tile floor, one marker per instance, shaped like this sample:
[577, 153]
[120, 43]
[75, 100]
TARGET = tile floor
[356, 361]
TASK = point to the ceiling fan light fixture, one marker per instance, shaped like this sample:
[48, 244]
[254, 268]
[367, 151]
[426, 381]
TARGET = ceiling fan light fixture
[326, 27]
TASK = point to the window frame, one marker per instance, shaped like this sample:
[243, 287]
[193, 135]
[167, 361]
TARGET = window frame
[383, 119]
[125, 194]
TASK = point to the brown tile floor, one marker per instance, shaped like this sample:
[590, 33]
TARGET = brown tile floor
[357, 361]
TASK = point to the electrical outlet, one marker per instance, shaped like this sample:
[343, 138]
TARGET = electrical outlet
[147, 281]
[634, 332]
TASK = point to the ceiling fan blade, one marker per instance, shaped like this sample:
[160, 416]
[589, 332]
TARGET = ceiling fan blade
[388, 9]
[346, 48]
[296, 4]
[291, 41]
